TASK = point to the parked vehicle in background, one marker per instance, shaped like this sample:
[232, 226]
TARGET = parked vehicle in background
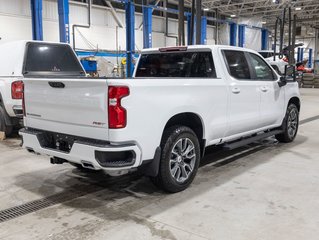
[280, 61]
[180, 101]
[11, 86]
[277, 64]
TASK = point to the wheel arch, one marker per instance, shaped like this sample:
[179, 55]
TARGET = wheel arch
[296, 101]
[191, 120]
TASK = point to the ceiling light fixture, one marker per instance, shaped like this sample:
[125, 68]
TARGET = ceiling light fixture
[298, 8]
[206, 9]
[233, 15]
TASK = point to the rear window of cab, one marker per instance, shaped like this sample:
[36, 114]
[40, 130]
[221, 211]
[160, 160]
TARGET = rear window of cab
[177, 65]
[51, 59]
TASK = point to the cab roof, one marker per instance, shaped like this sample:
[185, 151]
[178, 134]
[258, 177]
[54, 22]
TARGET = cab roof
[194, 47]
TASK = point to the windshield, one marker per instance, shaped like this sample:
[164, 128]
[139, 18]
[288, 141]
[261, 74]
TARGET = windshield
[51, 59]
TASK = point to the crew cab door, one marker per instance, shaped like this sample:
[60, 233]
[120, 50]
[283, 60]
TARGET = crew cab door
[271, 95]
[244, 93]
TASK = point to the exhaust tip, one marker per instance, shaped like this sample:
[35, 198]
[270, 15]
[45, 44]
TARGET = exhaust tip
[88, 165]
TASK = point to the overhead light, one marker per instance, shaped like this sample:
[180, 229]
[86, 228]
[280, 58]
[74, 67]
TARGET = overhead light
[233, 15]
[263, 22]
[298, 8]
[206, 9]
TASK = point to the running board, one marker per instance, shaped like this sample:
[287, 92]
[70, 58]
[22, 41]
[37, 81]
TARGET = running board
[245, 141]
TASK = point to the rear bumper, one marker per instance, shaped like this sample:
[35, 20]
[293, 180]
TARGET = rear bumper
[90, 154]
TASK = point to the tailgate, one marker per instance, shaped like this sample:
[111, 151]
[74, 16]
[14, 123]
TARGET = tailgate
[71, 106]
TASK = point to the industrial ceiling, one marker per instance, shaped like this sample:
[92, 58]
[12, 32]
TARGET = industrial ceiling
[306, 10]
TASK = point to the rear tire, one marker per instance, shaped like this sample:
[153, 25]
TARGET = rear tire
[179, 161]
[290, 125]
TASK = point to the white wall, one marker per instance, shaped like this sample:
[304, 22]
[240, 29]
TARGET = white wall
[15, 24]
[252, 36]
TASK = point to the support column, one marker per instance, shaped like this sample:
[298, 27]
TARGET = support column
[216, 27]
[298, 55]
[310, 58]
[147, 27]
[316, 53]
[241, 35]
[198, 21]
[181, 28]
[301, 54]
[36, 15]
[165, 3]
[130, 36]
[264, 39]
[233, 34]
[189, 29]
[63, 10]
[204, 31]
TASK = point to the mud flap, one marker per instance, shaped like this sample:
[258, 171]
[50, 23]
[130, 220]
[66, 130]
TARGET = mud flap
[150, 167]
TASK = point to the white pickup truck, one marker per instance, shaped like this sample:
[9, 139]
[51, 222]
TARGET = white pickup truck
[180, 101]
[11, 86]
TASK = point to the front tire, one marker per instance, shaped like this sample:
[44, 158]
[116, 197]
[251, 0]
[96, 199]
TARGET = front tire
[180, 159]
[290, 125]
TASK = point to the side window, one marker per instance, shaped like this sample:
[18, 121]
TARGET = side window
[261, 69]
[177, 65]
[203, 66]
[237, 64]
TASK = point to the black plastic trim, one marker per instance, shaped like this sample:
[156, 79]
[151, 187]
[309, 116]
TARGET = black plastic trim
[115, 159]
[47, 138]
[151, 167]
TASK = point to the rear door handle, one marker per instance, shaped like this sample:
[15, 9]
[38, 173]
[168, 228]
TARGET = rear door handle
[236, 90]
[264, 89]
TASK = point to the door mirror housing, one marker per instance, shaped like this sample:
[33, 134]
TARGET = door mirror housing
[282, 81]
[290, 75]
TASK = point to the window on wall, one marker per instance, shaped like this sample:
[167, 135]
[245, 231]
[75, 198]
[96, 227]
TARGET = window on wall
[260, 67]
[177, 64]
[237, 64]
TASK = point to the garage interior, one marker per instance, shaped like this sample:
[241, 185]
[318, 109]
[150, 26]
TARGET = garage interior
[264, 190]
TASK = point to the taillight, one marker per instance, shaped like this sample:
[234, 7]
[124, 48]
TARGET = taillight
[117, 113]
[17, 90]
[23, 101]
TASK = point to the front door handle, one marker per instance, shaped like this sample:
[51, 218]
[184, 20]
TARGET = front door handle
[236, 90]
[264, 89]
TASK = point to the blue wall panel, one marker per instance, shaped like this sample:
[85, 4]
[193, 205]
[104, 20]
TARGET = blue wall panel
[130, 36]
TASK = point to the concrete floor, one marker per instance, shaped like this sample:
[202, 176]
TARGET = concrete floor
[263, 191]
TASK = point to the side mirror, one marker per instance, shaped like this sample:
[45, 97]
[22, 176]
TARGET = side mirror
[290, 75]
[282, 81]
